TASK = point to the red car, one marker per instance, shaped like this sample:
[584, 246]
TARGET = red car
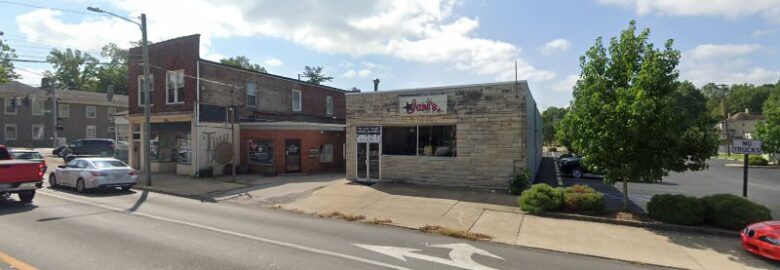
[763, 239]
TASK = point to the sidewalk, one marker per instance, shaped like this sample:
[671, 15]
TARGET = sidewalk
[497, 214]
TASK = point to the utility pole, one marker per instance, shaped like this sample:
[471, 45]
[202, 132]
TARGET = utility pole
[147, 124]
[725, 118]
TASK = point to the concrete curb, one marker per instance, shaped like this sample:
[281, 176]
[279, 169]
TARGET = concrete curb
[659, 226]
[194, 197]
[734, 165]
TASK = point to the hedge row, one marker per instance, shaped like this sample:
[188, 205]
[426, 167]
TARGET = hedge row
[544, 198]
[722, 210]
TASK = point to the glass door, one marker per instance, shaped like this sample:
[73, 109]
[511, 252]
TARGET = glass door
[362, 164]
[373, 161]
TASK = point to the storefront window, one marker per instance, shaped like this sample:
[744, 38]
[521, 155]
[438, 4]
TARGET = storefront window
[400, 141]
[326, 153]
[185, 151]
[439, 141]
[260, 152]
[171, 142]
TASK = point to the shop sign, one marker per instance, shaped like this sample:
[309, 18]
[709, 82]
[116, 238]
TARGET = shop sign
[423, 105]
[260, 152]
[368, 130]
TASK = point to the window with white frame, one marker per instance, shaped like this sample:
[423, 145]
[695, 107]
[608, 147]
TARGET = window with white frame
[141, 95]
[91, 132]
[64, 110]
[11, 108]
[328, 105]
[37, 107]
[91, 112]
[174, 87]
[10, 132]
[37, 132]
[296, 100]
[251, 94]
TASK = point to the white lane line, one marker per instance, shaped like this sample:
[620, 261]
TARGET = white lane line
[237, 234]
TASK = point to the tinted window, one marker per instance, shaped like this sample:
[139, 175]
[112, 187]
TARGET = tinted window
[26, 155]
[106, 164]
[399, 140]
[72, 163]
[103, 143]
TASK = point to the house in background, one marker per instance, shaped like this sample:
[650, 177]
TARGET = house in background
[205, 114]
[26, 115]
[742, 125]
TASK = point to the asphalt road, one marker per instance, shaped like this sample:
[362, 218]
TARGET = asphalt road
[763, 185]
[139, 230]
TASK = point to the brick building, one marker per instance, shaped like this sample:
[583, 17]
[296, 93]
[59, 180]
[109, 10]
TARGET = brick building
[463, 136]
[203, 112]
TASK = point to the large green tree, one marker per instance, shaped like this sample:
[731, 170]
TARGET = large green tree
[73, 69]
[115, 71]
[550, 118]
[769, 132]
[242, 62]
[627, 118]
[7, 72]
[315, 75]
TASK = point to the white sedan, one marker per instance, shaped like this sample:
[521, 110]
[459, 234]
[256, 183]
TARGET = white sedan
[92, 173]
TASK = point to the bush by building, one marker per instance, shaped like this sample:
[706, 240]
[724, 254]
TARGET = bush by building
[733, 212]
[757, 161]
[518, 183]
[584, 199]
[676, 209]
[541, 198]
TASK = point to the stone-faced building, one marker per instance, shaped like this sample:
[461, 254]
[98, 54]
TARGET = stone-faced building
[26, 115]
[460, 136]
[204, 111]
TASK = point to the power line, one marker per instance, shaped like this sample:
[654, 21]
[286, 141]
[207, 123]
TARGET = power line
[51, 8]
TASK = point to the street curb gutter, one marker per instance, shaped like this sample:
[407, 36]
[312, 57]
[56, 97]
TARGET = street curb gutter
[659, 226]
[194, 197]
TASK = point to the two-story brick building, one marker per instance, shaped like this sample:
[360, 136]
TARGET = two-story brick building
[203, 112]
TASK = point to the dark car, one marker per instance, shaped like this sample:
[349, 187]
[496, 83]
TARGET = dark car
[90, 147]
[57, 150]
[27, 154]
[573, 166]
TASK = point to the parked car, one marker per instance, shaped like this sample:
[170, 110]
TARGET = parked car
[572, 166]
[90, 147]
[57, 150]
[29, 154]
[22, 177]
[762, 239]
[94, 173]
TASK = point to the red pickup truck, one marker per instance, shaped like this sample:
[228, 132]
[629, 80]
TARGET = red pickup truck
[22, 177]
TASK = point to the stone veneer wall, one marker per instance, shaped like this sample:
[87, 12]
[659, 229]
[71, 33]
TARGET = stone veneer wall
[491, 125]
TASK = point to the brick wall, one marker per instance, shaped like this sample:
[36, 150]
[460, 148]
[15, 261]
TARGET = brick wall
[491, 123]
[310, 139]
[176, 54]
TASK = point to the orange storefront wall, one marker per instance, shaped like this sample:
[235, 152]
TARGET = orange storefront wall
[310, 140]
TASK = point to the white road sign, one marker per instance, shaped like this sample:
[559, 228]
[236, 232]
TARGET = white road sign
[751, 147]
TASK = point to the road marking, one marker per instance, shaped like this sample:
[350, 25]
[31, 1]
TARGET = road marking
[460, 255]
[237, 234]
[14, 263]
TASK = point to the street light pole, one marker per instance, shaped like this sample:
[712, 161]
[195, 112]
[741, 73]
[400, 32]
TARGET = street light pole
[146, 85]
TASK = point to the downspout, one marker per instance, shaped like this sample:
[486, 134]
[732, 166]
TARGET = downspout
[197, 117]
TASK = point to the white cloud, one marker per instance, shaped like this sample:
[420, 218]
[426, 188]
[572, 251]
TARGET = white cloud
[556, 45]
[349, 74]
[762, 33]
[273, 62]
[729, 9]
[417, 31]
[566, 85]
[30, 76]
[724, 63]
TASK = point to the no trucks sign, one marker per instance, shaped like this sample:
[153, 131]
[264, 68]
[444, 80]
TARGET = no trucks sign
[748, 147]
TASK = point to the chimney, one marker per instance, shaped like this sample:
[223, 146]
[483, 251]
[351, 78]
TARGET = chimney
[376, 84]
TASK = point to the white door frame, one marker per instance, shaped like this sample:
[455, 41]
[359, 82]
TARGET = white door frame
[367, 142]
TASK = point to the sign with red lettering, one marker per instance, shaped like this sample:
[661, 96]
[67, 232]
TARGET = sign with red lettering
[422, 105]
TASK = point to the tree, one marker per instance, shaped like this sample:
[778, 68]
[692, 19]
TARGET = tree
[242, 62]
[769, 131]
[315, 75]
[628, 119]
[115, 71]
[550, 118]
[7, 72]
[73, 69]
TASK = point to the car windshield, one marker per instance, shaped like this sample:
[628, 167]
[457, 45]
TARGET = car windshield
[106, 164]
[26, 155]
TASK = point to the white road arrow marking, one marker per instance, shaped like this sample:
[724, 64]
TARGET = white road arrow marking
[460, 255]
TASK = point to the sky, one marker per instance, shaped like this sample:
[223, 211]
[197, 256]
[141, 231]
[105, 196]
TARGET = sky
[415, 44]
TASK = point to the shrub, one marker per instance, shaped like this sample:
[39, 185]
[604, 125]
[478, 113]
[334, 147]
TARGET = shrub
[582, 198]
[540, 198]
[676, 209]
[733, 212]
[757, 161]
[518, 183]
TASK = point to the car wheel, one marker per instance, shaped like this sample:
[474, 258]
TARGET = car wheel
[27, 196]
[53, 181]
[80, 188]
[577, 173]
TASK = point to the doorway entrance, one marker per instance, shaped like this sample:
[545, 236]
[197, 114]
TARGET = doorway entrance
[368, 162]
[292, 155]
